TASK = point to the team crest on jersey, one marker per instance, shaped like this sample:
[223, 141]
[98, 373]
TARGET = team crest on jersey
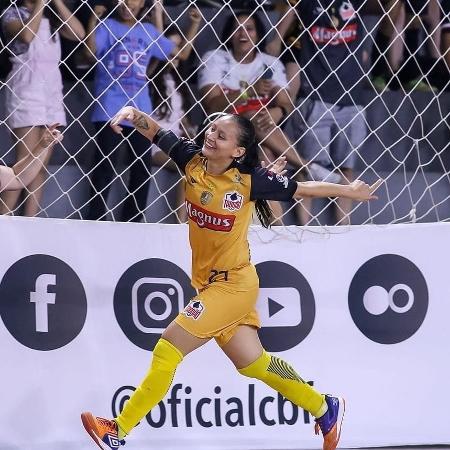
[194, 309]
[205, 197]
[233, 201]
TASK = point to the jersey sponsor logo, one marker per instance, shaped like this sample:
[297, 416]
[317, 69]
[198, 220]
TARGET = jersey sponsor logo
[207, 219]
[280, 178]
[194, 309]
[283, 180]
[233, 201]
[324, 35]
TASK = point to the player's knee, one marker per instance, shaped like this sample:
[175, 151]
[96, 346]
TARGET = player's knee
[166, 356]
[258, 368]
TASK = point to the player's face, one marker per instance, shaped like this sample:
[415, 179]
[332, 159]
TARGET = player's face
[245, 37]
[222, 140]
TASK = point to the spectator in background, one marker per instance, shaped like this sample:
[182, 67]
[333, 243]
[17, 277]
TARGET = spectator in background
[416, 68]
[284, 49]
[244, 79]
[170, 98]
[34, 90]
[330, 126]
[445, 36]
[123, 45]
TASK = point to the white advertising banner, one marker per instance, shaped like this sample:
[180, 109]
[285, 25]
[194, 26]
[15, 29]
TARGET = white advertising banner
[361, 312]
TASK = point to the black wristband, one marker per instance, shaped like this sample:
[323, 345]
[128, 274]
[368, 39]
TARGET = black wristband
[159, 134]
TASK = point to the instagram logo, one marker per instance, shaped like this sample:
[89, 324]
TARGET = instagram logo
[153, 303]
[148, 297]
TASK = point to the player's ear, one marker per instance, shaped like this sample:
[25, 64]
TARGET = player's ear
[239, 152]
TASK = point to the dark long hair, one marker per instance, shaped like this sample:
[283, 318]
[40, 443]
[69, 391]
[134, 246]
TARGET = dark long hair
[161, 100]
[247, 139]
[231, 26]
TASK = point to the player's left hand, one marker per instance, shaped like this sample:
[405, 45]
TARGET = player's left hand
[361, 191]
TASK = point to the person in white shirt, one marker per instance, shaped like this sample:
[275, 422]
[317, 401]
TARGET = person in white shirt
[243, 79]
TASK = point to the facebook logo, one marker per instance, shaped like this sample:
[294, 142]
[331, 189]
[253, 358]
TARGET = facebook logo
[42, 298]
[42, 302]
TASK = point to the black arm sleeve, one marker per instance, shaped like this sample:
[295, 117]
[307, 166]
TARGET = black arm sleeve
[268, 186]
[181, 150]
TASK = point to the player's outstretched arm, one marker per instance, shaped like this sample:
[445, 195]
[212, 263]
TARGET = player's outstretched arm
[26, 169]
[357, 190]
[140, 120]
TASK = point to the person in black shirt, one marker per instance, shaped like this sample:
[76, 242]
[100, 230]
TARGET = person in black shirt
[325, 37]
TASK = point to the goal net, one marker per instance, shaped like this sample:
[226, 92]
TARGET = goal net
[344, 89]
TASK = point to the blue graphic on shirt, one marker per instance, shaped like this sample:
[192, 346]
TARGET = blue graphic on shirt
[123, 55]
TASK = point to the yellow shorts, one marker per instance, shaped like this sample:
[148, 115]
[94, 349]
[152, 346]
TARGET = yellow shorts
[222, 306]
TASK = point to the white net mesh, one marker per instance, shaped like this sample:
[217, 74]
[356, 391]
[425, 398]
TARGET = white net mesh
[352, 89]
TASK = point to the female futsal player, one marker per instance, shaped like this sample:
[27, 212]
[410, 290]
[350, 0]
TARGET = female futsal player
[224, 184]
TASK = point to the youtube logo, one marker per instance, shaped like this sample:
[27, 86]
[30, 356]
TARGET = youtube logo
[280, 307]
[285, 305]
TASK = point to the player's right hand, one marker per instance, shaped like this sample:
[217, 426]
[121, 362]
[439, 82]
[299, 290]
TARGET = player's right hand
[127, 113]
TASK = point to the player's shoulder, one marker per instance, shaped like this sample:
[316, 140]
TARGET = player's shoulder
[197, 161]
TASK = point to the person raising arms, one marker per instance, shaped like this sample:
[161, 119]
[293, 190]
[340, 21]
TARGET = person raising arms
[224, 184]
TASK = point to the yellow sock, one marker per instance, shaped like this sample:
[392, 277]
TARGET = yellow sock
[153, 388]
[280, 376]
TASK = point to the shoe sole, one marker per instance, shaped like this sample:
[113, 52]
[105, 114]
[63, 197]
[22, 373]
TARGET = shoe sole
[89, 425]
[331, 440]
[340, 419]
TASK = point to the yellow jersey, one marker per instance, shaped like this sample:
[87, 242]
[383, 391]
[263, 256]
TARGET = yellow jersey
[220, 207]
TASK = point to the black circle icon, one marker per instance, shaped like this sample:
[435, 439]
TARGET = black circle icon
[286, 306]
[148, 296]
[388, 299]
[42, 302]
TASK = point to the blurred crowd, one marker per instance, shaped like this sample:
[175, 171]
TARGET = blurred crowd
[299, 69]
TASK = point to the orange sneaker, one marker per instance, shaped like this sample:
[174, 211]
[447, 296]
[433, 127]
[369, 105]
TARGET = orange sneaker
[331, 422]
[104, 432]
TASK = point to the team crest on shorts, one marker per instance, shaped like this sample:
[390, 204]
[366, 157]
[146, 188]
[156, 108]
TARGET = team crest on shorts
[205, 197]
[233, 201]
[194, 309]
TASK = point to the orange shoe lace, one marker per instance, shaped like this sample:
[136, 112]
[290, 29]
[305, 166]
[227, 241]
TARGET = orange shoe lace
[108, 426]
